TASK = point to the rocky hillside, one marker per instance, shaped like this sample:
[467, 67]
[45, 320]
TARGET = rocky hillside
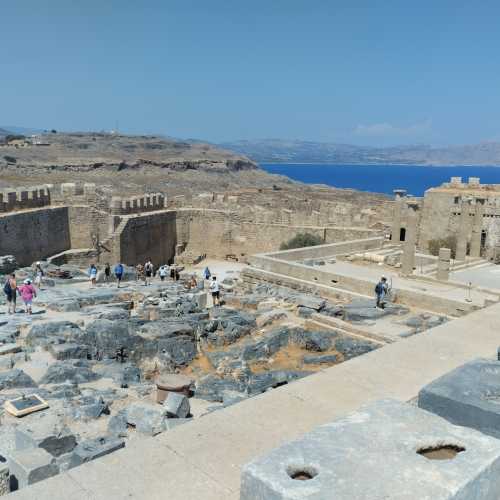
[282, 151]
[122, 163]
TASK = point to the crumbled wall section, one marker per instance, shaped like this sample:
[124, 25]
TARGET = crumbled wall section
[35, 234]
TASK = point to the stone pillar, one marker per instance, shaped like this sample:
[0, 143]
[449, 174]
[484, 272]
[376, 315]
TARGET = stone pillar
[443, 269]
[477, 227]
[408, 258]
[463, 230]
[397, 214]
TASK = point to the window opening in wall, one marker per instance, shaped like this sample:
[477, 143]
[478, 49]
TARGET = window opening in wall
[456, 200]
[402, 234]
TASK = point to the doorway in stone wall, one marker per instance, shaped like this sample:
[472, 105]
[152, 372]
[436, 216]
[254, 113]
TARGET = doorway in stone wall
[402, 234]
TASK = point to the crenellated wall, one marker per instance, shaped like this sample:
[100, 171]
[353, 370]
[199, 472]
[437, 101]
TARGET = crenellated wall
[138, 204]
[24, 198]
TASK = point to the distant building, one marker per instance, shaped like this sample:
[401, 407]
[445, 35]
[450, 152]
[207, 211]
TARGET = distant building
[468, 211]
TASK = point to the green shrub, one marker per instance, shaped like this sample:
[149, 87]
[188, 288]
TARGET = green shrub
[448, 242]
[302, 240]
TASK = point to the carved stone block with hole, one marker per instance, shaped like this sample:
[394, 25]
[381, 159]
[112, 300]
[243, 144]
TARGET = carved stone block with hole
[386, 450]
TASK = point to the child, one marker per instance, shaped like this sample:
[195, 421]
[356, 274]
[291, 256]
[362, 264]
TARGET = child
[27, 291]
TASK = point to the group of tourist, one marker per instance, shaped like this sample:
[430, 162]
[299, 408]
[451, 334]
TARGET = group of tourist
[26, 291]
[118, 271]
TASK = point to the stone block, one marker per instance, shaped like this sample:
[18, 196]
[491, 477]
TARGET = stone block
[386, 450]
[95, 448]
[30, 466]
[147, 418]
[68, 351]
[45, 431]
[15, 378]
[467, 396]
[177, 405]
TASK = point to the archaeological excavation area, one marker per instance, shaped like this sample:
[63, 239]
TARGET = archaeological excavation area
[296, 386]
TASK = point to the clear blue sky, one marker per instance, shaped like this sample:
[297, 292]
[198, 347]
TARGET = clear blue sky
[365, 72]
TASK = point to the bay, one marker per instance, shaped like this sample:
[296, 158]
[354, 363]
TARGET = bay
[416, 179]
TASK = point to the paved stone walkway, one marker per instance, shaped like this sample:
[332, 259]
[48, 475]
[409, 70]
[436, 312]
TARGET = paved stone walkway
[202, 460]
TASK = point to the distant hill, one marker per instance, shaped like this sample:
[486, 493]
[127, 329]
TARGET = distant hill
[4, 132]
[11, 129]
[294, 151]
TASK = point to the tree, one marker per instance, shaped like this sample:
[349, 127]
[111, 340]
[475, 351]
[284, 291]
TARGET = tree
[302, 240]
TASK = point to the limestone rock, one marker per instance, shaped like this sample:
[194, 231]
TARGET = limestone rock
[15, 378]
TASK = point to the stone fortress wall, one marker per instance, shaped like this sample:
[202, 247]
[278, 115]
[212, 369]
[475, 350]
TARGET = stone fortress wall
[51, 220]
[469, 211]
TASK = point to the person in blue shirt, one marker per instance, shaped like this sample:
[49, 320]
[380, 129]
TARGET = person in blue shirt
[119, 273]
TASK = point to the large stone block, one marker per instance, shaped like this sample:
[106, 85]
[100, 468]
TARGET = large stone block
[147, 418]
[47, 432]
[177, 405]
[30, 466]
[387, 450]
[468, 396]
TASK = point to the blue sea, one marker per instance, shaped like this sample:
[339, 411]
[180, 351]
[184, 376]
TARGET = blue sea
[382, 178]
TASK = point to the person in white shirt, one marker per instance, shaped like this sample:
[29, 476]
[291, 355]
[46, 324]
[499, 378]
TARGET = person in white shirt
[214, 289]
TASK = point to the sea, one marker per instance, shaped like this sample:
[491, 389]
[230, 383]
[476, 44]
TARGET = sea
[381, 178]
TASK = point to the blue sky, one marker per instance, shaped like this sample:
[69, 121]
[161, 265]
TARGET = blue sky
[363, 72]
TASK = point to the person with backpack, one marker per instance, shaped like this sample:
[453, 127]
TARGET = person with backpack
[215, 290]
[381, 289]
[119, 273]
[27, 292]
[148, 272]
[10, 290]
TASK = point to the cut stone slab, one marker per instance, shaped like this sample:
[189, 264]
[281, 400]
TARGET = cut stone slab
[316, 303]
[177, 405]
[95, 448]
[47, 432]
[269, 317]
[374, 454]
[468, 396]
[30, 466]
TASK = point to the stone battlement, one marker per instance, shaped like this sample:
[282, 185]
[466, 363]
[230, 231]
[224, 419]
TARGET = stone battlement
[138, 204]
[24, 198]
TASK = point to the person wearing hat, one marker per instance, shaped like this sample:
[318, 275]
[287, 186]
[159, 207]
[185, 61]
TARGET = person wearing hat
[381, 291]
[27, 291]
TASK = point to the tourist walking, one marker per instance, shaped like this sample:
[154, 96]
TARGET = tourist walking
[27, 292]
[93, 275]
[381, 291]
[139, 272]
[215, 290]
[39, 275]
[148, 272]
[107, 272]
[10, 290]
[206, 273]
[119, 273]
[163, 272]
